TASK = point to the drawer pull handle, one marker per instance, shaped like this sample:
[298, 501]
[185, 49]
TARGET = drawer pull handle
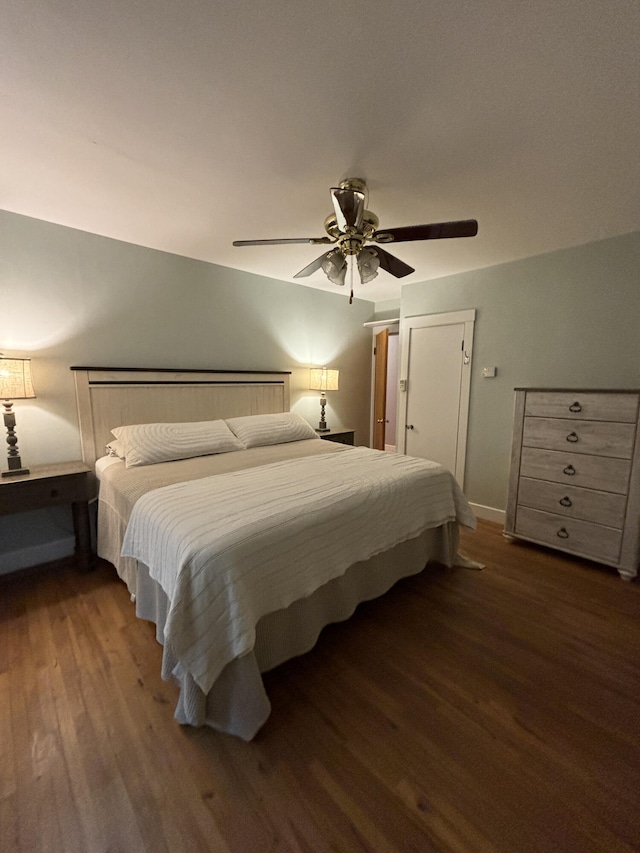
[565, 501]
[569, 471]
[572, 437]
[575, 407]
[562, 533]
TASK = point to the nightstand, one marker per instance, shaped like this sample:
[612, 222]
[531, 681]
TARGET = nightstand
[342, 436]
[53, 485]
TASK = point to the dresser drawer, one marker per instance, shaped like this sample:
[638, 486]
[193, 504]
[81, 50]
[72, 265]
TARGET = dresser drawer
[583, 405]
[594, 437]
[591, 472]
[568, 534]
[585, 504]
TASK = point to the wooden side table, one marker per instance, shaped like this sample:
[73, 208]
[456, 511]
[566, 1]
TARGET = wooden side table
[53, 485]
[342, 436]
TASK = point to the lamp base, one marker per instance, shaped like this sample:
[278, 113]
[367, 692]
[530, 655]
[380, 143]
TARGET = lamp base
[322, 426]
[13, 458]
[15, 465]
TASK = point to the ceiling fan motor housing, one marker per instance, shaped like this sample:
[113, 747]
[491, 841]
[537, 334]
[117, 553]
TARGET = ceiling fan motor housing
[370, 223]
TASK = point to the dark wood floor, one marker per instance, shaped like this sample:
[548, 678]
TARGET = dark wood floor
[467, 711]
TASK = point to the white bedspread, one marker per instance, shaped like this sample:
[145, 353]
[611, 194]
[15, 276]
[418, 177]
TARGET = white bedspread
[229, 549]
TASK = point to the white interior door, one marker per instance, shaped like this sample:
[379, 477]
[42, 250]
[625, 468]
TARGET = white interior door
[434, 387]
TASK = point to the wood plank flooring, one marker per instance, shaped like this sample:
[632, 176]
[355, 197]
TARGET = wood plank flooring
[466, 711]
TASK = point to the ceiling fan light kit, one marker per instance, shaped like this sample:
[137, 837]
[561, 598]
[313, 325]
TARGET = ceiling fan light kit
[351, 226]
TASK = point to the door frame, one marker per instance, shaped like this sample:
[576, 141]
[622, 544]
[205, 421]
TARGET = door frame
[421, 321]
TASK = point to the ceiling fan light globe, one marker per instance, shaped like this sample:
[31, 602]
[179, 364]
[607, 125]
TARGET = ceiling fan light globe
[334, 267]
[368, 263]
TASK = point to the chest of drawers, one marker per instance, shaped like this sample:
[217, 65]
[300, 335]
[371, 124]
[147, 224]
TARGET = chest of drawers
[574, 483]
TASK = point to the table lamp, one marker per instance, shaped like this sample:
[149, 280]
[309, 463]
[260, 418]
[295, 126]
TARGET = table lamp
[15, 384]
[323, 380]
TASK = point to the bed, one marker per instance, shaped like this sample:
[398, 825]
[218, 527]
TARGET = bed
[240, 533]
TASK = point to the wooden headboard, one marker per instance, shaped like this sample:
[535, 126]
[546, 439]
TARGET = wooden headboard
[108, 397]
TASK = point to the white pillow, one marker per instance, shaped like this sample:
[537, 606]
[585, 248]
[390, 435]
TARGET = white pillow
[145, 444]
[261, 430]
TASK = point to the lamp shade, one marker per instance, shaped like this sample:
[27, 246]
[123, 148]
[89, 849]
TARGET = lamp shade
[15, 379]
[322, 379]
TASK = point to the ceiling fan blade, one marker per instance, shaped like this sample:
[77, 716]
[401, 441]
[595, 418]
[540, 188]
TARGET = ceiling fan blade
[435, 231]
[392, 264]
[307, 240]
[349, 207]
[313, 266]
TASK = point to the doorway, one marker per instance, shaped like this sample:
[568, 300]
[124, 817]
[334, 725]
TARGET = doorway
[386, 353]
[435, 382]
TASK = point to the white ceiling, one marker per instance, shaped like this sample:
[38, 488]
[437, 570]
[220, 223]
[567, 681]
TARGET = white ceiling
[185, 124]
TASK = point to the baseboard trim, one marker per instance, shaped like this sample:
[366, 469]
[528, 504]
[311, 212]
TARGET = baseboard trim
[489, 513]
[35, 555]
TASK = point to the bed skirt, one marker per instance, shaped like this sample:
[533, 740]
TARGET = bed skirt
[238, 704]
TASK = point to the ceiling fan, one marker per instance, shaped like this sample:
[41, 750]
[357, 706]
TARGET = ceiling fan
[352, 227]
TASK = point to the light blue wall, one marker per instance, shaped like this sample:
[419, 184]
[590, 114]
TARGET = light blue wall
[68, 297]
[389, 310]
[569, 318]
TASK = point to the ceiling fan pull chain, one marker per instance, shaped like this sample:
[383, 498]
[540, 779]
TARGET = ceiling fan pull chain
[351, 266]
